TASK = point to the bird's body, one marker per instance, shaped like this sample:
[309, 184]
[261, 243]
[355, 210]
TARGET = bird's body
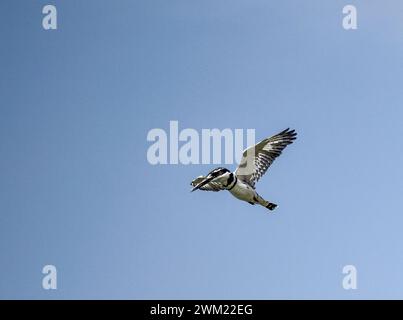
[243, 191]
[255, 162]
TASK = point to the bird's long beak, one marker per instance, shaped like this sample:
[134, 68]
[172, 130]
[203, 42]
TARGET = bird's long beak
[201, 184]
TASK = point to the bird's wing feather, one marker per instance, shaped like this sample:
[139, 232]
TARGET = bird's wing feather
[211, 186]
[262, 155]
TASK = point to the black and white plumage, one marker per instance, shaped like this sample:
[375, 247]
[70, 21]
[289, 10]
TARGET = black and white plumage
[254, 164]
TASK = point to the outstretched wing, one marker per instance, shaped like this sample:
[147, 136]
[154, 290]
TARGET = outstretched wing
[258, 158]
[211, 186]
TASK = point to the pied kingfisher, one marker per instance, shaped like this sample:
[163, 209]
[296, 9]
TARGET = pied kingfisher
[241, 183]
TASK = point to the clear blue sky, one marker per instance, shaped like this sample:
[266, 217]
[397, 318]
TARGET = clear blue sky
[76, 190]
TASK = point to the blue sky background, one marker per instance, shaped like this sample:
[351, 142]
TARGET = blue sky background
[76, 190]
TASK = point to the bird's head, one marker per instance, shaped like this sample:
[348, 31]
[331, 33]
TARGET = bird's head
[219, 175]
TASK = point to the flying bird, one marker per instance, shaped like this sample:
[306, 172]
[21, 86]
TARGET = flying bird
[254, 164]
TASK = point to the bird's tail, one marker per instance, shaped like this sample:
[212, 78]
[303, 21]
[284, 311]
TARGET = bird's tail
[267, 204]
[271, 206]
